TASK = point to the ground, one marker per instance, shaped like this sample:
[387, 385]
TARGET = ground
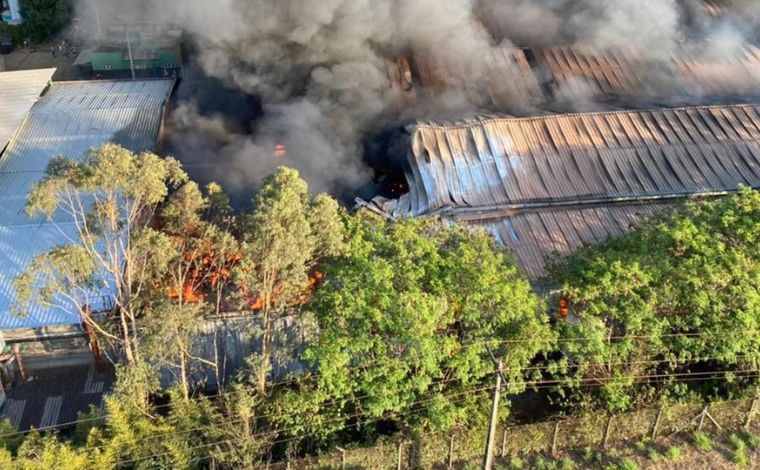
[51, 397]
[678, 453]
[40, 57]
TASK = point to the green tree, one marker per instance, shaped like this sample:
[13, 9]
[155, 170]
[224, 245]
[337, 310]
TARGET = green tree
[405, 321]
[109, 198]
[286, 235]
[678, 294]
[43, 19]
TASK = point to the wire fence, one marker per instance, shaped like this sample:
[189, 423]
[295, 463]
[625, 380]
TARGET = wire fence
[453, 450]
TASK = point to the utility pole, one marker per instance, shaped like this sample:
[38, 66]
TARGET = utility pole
[129, 50]
[488, 460]
[97, 18]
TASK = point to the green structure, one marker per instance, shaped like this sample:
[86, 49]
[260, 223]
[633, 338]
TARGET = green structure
[143, 51]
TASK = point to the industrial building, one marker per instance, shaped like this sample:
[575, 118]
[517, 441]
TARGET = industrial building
[529, 81]
[550, 184]
[134, 51]
[68, 119]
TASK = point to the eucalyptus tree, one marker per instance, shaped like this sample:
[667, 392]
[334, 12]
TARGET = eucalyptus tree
[286, 236]
[103, 207]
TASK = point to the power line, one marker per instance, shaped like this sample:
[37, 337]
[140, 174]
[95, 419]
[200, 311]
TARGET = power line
[311, 376]
[538, 384]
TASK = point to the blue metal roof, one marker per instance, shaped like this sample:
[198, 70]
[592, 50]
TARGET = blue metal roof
[69, 119]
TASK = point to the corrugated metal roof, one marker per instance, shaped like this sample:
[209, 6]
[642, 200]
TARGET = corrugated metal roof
[506, 81]
[687, 75]
[550, 184]
[537, 237]
[19, 90]
[490, 163]
[69, 119]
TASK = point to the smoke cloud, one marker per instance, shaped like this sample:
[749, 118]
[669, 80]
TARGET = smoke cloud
[319, 69]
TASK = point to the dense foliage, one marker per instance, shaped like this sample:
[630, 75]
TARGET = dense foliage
[680, 295]
[44, 19]
[403, 322]
[407, 317]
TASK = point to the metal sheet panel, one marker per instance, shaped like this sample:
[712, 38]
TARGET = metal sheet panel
[535, 239]
[19, 90]
[70, 119]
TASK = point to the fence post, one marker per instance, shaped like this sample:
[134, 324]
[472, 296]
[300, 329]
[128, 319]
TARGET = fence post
[504, 443]
[400, 455]
[554, 438]
[451, 453]
[656, 426]
[702, 417]
[607, 431]
[488, 457]
[752, 406]
[342, 457]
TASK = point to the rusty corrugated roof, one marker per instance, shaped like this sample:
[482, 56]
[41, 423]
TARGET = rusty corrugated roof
[505, 81]
[537, 237]
[688, 74]
[549, 184]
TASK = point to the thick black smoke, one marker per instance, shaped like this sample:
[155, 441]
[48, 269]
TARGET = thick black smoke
[318, 70]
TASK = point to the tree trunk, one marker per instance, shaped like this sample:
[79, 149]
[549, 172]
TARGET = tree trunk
[126, 339]
[264, 363]
[183, 370]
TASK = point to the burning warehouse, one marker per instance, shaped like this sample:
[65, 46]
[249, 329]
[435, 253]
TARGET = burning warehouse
[550, 78]
[551, 184]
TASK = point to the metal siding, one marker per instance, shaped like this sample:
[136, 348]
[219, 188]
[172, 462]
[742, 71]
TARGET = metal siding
[19, 90]
[70, 119]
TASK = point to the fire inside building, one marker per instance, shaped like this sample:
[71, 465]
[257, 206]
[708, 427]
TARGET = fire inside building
[550, 181]
[595, 142]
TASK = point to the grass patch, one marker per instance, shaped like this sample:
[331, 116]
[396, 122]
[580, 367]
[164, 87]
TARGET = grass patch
[567, 464]
[542, 463]
[738, 450]
[653, 455]
[753, 441]
[702, 441]
[674, 453]
[627, 464]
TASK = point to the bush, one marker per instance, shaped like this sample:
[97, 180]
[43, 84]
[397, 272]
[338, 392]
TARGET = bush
[653, 455]
[516, 463]
[567, 464]
[542, 463]
[674, 453]
[627, 464]
[753, 441]
[15, 32]
[739, 450]
[702, 441]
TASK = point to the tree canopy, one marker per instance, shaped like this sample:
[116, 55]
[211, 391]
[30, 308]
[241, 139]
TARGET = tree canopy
[407, 316]
[679, 294]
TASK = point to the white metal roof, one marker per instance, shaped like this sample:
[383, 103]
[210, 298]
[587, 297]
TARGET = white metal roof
[19, 90]
[68, 120]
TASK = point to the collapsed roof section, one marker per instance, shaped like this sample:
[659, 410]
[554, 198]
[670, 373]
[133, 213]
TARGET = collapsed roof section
[552, 183]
